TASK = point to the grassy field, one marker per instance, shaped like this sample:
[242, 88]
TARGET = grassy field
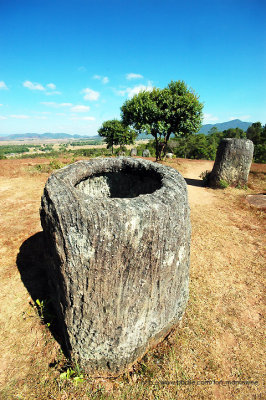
[215, 353]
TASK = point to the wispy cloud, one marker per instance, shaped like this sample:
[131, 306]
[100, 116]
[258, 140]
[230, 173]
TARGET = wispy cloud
[49, 89]
[3, 117]
[90, 94]
[133, 76]
[3, 85]
[130, 92]
[241, 117]
[56, 105]
[51, 86]
[83, 118]
[33, 86]
[89, 118]
[19, 116]
[1, 105]
[55, 92]
[209, 118]
[80, 108]
[103, 79]
[82, 68]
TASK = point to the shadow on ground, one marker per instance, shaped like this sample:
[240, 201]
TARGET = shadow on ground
[194, 182]
[31, 263]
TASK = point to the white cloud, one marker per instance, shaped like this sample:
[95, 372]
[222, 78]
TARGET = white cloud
[40, 117]
[2, 117]
[56, 105]
[135, 90]
[90, 94]
[241, 117]
[51, 86]
[52, 93]
[33, 86]
[103, 79]
[65, 104]
[133, 76]
[209, 118]
[3, 85]
[80, 108]
[89, 118]
[1, 105]
[19, 116]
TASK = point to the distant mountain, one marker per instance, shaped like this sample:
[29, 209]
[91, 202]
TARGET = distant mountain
[222, 126]
[235, 123]
[48, 135]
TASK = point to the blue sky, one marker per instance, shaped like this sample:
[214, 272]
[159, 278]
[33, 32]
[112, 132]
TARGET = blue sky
[67, 66]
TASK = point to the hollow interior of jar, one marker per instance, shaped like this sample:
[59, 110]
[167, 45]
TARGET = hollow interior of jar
[127, 183]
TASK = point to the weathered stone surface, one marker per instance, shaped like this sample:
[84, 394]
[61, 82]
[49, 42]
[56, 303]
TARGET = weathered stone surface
[257, 200]
[117, 233]
[146, 153]
[232, 162]
[169, 155]
[133, 152]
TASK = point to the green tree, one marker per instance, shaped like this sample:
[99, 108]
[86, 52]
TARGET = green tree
[234, 133]
[116, 133]
[162, 112]
[255, 133]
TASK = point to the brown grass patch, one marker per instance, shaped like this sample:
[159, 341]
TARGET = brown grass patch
[221, 335]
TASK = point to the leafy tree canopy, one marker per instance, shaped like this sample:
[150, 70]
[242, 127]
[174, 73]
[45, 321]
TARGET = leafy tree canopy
[234, 133]
[116, 133]
[162, 112]
[257, 133]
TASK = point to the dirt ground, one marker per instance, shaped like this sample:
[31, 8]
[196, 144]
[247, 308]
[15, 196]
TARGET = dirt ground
[217, 352]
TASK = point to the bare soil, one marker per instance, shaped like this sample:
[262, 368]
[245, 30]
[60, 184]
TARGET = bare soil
[215, 351]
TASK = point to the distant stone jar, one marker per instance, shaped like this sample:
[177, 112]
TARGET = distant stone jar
[117, 234]
[146, 153]
[232, 162]
[133, 152]
[169, 155]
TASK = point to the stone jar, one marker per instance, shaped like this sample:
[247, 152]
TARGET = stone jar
[133, 152]
[117, 234]
[232, 162]
[146, 153]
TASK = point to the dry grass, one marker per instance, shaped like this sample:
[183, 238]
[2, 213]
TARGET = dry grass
[221, 336]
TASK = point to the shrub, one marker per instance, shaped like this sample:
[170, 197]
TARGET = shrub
[223, 184]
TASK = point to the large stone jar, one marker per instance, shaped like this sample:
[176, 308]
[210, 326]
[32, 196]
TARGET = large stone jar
[232, 162]
[117, 234]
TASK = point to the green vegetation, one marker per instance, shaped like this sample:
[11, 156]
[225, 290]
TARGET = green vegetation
[13, 149]
[43, 311]
[74, 374]
[163, 112]
[200, 146]
[223, 184]
[116, 133]
[84, 143]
